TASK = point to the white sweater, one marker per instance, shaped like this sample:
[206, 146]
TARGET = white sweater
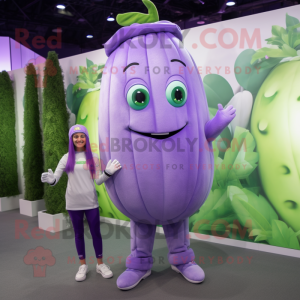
[81, 193]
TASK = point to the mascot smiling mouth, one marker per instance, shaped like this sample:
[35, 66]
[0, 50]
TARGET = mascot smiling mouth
[159, 136]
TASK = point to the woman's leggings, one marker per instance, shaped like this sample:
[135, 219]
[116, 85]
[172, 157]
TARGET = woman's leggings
[93, 218]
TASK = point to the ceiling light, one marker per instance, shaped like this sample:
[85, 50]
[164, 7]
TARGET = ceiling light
[111, 17]
[89, 36]
[201, 22]
[60, 6]
[230, 3]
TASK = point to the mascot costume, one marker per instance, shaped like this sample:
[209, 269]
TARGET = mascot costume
[153, 118]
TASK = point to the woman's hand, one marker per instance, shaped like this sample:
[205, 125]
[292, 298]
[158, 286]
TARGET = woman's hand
[112, 167]
[48, 177]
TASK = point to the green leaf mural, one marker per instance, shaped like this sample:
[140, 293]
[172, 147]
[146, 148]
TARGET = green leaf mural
[73, 100]
[88, 80]
[234, 203]
[283, 236]
[265, 197]
[247, 75]
[270, 74]
[217, 90]
[285, 44]
[239, 160]
[291, 21]
[218, 205]
[246, 212]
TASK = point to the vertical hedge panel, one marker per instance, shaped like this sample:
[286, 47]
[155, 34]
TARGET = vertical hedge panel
[33, 154]
[8, 151]
[55, 131]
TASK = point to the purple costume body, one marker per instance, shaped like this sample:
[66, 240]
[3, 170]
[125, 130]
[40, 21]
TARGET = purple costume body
[153, 191]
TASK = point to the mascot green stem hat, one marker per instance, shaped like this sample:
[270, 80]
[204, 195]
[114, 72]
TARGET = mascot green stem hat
[137, 24]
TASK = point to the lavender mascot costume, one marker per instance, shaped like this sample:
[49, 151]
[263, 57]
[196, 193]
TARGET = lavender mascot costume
[153, 117]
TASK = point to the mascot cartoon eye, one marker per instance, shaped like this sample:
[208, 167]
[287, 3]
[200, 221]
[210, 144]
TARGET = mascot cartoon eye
[176, 93]
[138, 97]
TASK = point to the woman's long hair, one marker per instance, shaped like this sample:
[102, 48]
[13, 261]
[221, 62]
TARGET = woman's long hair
[88, 155]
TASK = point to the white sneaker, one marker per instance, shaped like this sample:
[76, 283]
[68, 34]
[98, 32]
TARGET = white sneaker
[104, 270]
[81, 274]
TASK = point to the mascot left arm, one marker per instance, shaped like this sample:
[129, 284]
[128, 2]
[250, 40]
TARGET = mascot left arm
[222, 118]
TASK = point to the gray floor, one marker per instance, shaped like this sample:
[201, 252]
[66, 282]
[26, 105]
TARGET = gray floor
[267, 276]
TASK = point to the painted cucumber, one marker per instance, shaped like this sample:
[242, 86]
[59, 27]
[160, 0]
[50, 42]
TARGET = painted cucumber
[275, 125]
[88, 116]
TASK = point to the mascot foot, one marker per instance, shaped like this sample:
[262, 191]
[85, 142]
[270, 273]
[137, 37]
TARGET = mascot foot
[190, 271]
[131, 278]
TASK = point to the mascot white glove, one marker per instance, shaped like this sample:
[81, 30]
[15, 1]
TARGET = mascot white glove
[112, 167]
[48, 177]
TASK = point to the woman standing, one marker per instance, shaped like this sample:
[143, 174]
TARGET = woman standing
[82, 167]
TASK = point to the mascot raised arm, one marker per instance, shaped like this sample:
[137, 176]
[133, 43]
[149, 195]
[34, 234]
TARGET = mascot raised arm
[154, 118]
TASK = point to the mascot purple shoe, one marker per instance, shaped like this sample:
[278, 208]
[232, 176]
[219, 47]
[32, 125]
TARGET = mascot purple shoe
[153, 117]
